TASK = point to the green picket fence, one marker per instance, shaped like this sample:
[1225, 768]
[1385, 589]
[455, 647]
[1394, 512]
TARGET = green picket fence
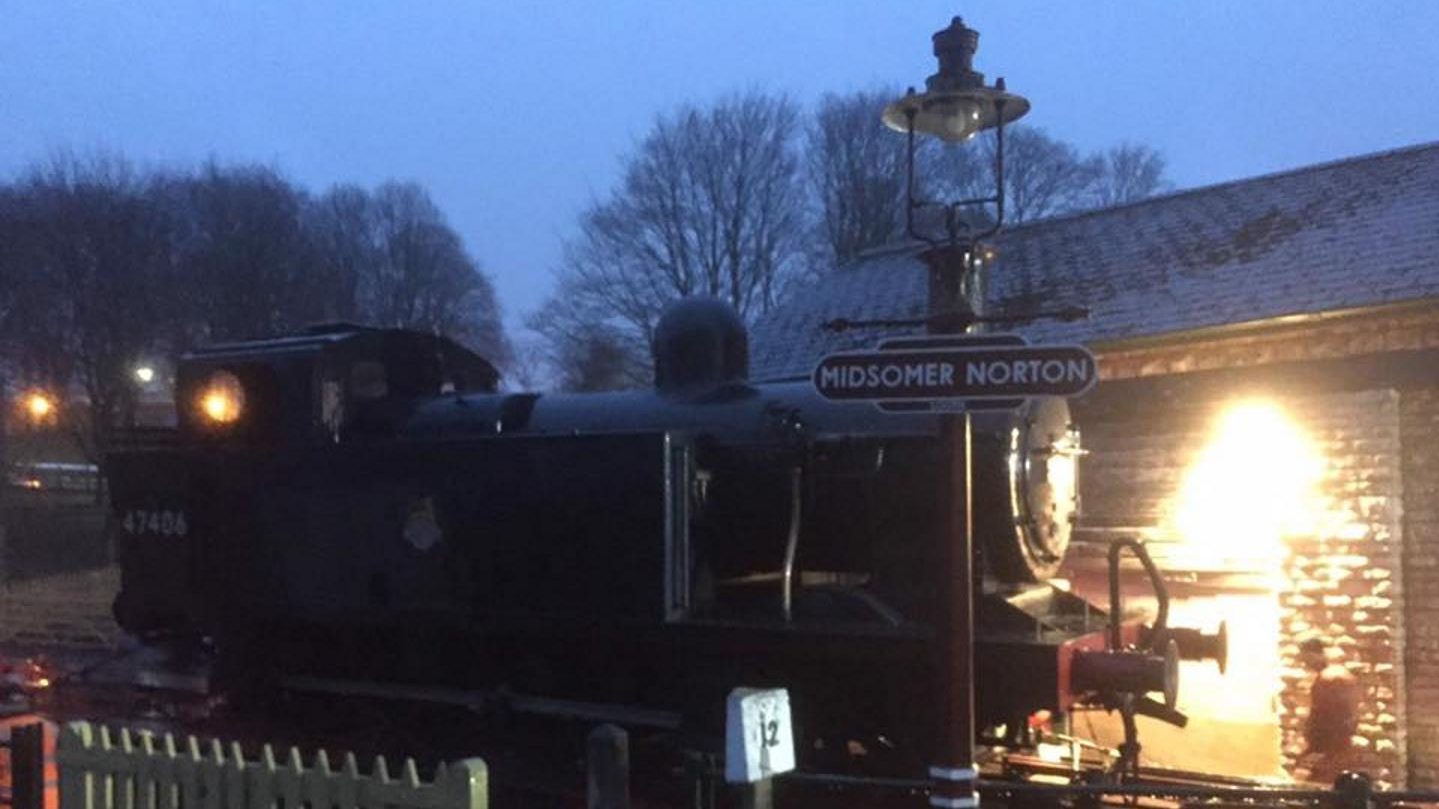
[101, 769]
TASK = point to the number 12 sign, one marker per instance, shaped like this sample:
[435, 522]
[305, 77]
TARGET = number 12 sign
[759, 740]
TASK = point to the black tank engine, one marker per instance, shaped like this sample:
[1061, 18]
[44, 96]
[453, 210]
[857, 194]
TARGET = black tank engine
[365, 504]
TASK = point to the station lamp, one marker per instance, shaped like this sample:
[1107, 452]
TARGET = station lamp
[955, 106]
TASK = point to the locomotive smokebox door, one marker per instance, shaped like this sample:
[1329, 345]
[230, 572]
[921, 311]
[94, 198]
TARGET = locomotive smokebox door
[1025, 517]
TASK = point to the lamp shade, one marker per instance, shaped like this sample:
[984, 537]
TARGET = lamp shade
[954, 115]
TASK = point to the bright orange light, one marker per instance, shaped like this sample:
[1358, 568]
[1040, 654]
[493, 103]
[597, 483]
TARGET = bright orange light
[39, 406]
[223, 398]
[1252, 486]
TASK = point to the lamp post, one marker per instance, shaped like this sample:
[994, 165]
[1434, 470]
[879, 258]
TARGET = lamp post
[955, 105]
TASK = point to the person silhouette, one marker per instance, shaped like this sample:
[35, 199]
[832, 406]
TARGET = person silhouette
[1333, 711]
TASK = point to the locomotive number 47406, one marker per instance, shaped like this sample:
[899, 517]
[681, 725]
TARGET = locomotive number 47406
[157, 522]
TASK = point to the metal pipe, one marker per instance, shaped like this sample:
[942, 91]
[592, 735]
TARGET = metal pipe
[910, 204]
[998, 198]
[1156, 580]
[791, 547]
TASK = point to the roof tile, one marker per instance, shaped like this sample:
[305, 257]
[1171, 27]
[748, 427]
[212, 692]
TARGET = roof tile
[1352, 233]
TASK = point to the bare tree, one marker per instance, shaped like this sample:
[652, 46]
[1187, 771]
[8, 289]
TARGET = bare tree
[389, 258]
[243, 254]
[1129, 173]
[86, 256]
[710, 204]
[857, 173]
[585, 351]
[1043, 176]
[419, 275]
[343, 234]
[1046, 177]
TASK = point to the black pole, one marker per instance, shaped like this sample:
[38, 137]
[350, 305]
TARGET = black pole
[953, 772]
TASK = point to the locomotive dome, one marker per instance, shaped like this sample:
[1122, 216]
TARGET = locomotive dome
[700, 343]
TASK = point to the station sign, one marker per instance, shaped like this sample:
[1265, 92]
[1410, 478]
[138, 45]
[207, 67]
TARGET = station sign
[945, 369]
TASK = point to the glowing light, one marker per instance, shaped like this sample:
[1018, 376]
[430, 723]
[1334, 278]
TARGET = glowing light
[145, 374]
[39, 406]
[223, 398]
[1252, 486]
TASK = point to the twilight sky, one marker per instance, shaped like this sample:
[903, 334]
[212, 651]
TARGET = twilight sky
[514, 115]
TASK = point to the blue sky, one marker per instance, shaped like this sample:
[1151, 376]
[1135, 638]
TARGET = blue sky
[515, 115]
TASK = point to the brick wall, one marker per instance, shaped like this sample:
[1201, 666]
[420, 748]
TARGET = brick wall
[1400, 329]
[1343, 578]
[1419, 422]
[1345, 581]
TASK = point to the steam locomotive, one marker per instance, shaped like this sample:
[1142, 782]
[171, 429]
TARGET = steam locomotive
[364, 505]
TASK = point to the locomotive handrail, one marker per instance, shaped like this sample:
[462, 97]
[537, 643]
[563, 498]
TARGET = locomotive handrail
[791, 547]
[1156, 581]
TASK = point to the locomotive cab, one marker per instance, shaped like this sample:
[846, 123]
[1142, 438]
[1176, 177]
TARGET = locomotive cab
[329, 383]
[235, 404]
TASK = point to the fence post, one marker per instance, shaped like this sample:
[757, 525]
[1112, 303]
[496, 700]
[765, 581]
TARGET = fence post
[467, 784]
[76, 786]
[607, 771]
[27, 766]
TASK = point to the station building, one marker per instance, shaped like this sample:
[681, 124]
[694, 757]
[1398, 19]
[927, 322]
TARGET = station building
[1267, 420]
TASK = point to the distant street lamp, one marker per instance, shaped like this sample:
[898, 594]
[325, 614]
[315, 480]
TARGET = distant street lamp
[39, 406]
[955, 105]
[144, 374]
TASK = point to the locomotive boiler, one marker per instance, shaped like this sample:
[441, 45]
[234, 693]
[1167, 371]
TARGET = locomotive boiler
[365, 505]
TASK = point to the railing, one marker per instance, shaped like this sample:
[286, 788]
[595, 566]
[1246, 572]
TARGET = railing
[139, 770]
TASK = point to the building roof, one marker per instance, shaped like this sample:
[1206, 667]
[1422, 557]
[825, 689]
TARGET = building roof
[1349, 234]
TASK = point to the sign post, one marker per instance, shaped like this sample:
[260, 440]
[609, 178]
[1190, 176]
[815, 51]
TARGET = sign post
[759, 743]
[949, 372]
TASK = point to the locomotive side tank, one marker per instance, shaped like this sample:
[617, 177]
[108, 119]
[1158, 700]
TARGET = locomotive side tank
[365, 504]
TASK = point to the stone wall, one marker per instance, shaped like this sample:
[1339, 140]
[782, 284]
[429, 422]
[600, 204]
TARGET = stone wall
[1419, 423]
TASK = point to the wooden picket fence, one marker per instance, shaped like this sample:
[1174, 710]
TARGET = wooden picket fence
[99, 769]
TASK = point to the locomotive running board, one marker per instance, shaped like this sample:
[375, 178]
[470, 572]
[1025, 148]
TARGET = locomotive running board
[631, 715]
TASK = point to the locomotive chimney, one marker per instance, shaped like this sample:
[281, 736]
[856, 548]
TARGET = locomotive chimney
[700, 345]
